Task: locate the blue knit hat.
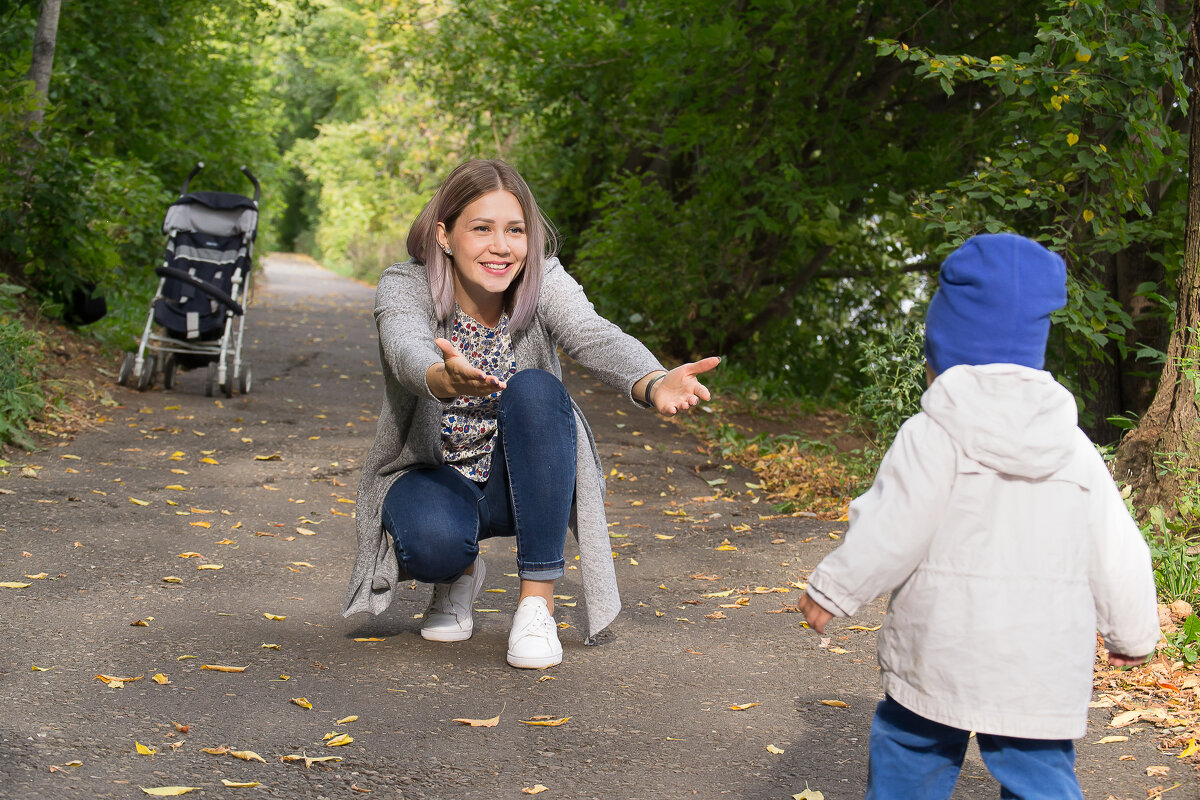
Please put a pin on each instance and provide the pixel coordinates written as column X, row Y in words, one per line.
column 993, row 303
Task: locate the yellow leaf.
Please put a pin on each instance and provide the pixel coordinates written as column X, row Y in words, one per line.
column 1189, row 750
column 306, row 532
column 190, row 554
column 547, row 723
column 1083, row 56
column 663, row 536
column 308, row 762
column 176, row 487
column 1112, row 739
column 247, row 755
column 302, row 702
column 834, row 703
column 306, row 564
column 169, row 791
column 210, row 566
column 237, row 785
column 38, row 577
column 739, row 528
column 1072, row 138
column 1088, row 215
column 272, row 457
column 135, row 501
column 266, row 646
column 537, row 788
column 216, row 751
column 633, row 562
column 838, row 650
column 36, row 668
column 341, row 739
column 809, row 794
column 725, row 593
column 863, row 628
column 207, row 460
column 172, row 579
column 111, row 679
column 744, row 706
column 370, row 639
column 202, row 523
column 773, row 749
column 184, row 658
column 142, row 750
column 344, row 720
column 219, row 668
column 14, row 584
column 160, row 679
column 481, row 723
column 275, row 616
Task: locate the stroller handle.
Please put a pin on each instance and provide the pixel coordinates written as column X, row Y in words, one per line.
column 254, row 180
column 245, row 171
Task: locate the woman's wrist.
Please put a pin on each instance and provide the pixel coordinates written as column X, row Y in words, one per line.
column 650, row 384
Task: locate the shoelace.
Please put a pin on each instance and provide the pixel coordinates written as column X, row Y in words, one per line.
column 439, row 601
column 541, row 625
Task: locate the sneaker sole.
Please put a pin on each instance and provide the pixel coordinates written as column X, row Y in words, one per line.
column 527, row 662
column 446, row 636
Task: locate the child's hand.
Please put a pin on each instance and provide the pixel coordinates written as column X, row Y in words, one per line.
column 815, row 615
column 1118, row 660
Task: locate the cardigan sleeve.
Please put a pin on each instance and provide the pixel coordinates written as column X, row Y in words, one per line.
column 613, row 356
column 892, row 525
column 404, row 316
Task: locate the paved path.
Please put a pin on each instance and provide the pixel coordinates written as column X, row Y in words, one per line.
column 109, row 515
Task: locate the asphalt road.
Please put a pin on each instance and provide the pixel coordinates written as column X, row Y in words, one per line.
column 174, row 484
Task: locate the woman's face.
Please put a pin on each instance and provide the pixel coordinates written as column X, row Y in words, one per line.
column 489, row 244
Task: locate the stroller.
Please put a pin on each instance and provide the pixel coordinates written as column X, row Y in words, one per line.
column 202, row 291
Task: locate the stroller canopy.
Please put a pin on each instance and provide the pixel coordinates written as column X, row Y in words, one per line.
column 217, row 213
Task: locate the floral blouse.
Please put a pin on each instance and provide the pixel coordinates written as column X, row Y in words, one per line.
column 469, row 423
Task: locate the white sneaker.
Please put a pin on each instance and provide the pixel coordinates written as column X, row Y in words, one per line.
column 533, row 641
column 448, row 617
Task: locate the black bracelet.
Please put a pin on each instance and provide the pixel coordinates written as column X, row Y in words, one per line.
column 650, row 386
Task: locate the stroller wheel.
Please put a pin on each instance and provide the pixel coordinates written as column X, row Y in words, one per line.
column 227, row 386
column 210, row 382
column 245, row 380
column 170, row 364
column 126, row 371
column 146, row 379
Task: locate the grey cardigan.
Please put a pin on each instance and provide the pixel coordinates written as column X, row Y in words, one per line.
column 409, row 428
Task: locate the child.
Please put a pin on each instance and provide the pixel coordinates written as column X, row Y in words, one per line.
column 998, row 529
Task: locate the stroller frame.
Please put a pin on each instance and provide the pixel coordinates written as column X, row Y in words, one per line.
column 223, row 354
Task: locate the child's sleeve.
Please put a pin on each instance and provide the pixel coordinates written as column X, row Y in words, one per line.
column 891, row 525
column 1122, row 578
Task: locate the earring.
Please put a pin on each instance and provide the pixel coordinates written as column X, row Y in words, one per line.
column 446, row 250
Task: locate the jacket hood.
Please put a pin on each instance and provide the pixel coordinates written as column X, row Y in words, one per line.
column 1011, row 419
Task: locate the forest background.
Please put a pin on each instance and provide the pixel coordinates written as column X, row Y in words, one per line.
column 775, row 181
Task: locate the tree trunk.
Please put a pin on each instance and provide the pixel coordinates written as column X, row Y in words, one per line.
column 1169, row 433
column 44, row 39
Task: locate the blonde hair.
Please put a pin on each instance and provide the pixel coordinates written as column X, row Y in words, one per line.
column 467, row 183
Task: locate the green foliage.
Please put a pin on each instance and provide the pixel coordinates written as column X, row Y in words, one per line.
column 1186, row 639
column 1089, row 163
column 21, row 395
column 894, row 380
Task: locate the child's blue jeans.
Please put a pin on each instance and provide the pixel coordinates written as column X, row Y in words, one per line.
column 913, row 757
column 436, row 516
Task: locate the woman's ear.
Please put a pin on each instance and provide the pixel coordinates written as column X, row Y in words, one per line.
column 443, row 236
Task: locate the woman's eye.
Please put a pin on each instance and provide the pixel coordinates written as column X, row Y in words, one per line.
column 481, row 228
column 517, row 230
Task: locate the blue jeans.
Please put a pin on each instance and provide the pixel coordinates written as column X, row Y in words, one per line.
column 913, row 757
column 437, row 517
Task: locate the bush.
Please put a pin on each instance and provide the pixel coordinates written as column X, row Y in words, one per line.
column 21, row 396
column 893, row 370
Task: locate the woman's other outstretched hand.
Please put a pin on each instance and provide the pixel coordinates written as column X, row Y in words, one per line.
column 679, row 389
column 814, row 614
column 456, row 377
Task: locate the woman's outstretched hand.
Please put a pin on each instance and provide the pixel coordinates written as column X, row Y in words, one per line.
column 455, row 376
column 679, row 389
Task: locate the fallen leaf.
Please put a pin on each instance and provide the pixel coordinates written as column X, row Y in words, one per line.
column 36, row 668
column 1112, row 740
column 548, row 723
column 744, row 706
column 302, row 702
column 838, row 650
column 773, row 749
column 160, row 679
column 40, row 576
column 219, row 668
column 306, row 564
column 142, row 750
column 135, row 501
column 202, row 523
column 1189, row 750
column 481, row 723
column 863, row 628
column 270, row 646
column 169, row 791
column 308, row 762
column 835, row 703
column 111, row 679
column 272, row 457
column 172, row 579
column 14, row 584
column 216, row 751
column 139, row 623
column 1157, row 772
column 237, row 785
column 275, row 616
column 340, row 740
column 306, row 532
column 370, row 639
column 725, row 593
column 210, row 566
column 809, row 794
column 356, row 788
column 664, row 536
column 344, row 720
column 247, row 755
column 535, row 789
column 180, row 728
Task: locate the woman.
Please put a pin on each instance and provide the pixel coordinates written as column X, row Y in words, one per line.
column 478, row 437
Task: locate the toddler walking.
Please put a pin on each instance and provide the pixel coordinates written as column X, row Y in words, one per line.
column 1005, row 543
